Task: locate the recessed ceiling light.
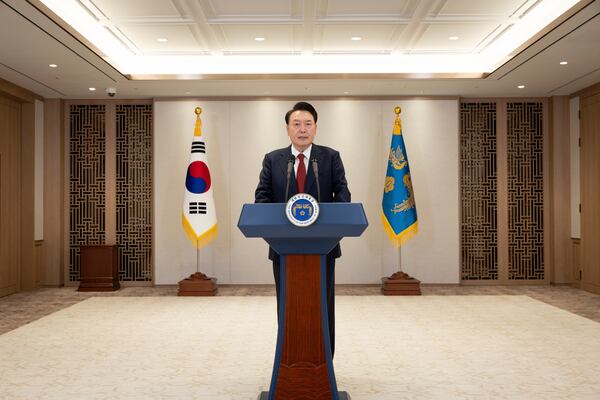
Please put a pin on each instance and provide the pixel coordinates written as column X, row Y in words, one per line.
column 527, row 26
column 453, row 38
column 92, row 89
column 259, row 39
column 563, row 62
column 188, row 92
column 52, row 65
column 346, row 92
column 162, row 39
column 356, row 38
column 521, row 86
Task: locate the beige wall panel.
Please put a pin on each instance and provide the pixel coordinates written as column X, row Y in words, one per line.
column 590, row 193
column 239, row 133
column 28, row 269
column 53, row 272
column 10, row 195
column 561, row 199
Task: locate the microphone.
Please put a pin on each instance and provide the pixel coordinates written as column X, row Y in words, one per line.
column 315, row 165
column 291, row 161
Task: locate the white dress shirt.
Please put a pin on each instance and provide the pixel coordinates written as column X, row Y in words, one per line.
column 306, row 158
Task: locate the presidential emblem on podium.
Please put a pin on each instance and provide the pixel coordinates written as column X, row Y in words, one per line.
column 302, row 210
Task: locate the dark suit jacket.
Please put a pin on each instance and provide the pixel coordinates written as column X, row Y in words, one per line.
column 332, row 180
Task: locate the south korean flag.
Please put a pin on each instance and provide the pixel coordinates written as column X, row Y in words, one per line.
column 199, row 215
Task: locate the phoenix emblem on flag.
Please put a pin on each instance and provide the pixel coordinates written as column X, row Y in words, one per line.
column 397, row 158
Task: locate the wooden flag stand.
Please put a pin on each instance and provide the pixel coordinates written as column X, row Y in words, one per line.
column 198, row 284
column 400, row 284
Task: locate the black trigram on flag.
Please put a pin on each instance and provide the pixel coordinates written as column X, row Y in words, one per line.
column 197, row 208
column 198, row 147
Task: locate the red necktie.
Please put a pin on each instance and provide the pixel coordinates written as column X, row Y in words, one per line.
column 301, row 174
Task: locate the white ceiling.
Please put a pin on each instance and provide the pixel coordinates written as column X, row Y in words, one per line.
column 296, row 27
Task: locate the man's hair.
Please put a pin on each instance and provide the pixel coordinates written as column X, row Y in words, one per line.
column 301, row 106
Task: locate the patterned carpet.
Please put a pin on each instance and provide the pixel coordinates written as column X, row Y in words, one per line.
column 21, row 308
column 420, row 347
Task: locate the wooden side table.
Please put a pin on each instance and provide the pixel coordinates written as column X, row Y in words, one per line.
column 99, row 268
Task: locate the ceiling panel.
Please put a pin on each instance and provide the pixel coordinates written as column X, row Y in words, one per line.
column 136, row 8
column 370, row 7
column 254, row 7
column 374, row 38
column 543, row 72
column 31, row 62
column 537, row 68
column 144, row 37
column 279, row 38
column 436, row 36
column 481, row 7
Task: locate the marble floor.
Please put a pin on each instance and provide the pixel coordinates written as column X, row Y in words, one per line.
column 22, row 308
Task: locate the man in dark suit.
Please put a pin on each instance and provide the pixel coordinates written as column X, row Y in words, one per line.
column 301, row 126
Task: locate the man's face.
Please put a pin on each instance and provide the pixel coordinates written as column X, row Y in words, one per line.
column 301, row 129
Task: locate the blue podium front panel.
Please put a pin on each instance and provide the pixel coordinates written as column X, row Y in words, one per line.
column 336, row 221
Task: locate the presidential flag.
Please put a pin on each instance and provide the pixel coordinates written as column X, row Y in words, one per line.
column 199, row 215
column 399, row 210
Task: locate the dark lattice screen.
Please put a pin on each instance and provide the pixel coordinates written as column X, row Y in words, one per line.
column 525, row 191
column 134, row 191
column 87, row 152
column 478, row 187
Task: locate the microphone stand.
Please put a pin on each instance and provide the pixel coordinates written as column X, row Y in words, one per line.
column 289, row 173
column 315, row 165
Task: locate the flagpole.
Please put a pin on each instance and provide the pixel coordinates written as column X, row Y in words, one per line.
column 197, row 257
column 399, row 258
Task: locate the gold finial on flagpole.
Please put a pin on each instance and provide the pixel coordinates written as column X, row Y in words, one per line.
column 198, row 128
column 397, row 122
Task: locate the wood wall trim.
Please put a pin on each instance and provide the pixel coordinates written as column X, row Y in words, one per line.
column 54, row 210
column 590, row 287
column 502, row 190
column 10, row 195
column 110, row 184
column 548, row 182
column 587, row 92
column 18, row 93
column 590, row 192
column 28, row 265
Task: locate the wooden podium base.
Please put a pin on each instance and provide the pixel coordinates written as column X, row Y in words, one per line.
column 400, row 284
column 198, row 284
column 341, row 396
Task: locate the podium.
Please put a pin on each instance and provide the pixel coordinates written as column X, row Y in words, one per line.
column 303, row 367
